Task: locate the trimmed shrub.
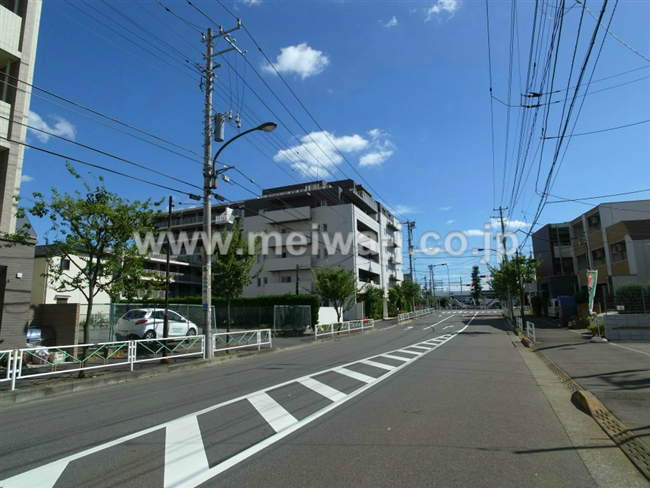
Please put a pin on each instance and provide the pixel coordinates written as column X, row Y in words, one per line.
column 634, row 296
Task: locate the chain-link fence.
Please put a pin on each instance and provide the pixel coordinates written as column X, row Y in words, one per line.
column 287, row 317
column 244, row 318
column 632, row 297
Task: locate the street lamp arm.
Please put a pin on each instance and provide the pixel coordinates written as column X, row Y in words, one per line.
column 266, row 127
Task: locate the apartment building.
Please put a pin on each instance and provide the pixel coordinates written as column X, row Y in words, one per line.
column 612, row 238
column 306, row 226
column 19, row 23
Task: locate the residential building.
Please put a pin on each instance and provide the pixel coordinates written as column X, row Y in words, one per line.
column 19, row 23
column 307, row 226
column 612, row 238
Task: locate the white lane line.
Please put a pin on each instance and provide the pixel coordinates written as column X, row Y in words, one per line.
column 43, row 477
column 447, row 327
column 375, row 364
column 420, row 347
column 629, row 348
column 399, row 358
column 409, row 352
column 322, row 389
column 438, row 323
column 272, row 411
column 184, row 452
column 357, row 376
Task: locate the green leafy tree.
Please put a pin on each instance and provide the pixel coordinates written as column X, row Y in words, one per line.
column 477, row 287
column 232, row 270
column 95, row 233
column 512, row 277
column 411, row 294
column 336, row 285
column 373, row 300
column 395, row 299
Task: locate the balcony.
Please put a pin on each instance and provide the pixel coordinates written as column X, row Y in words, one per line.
column 361, row 199
column 10, row 26
column 565, row 251
column 364, row 241
column 289, row 214
column 397, row 259
column 368, row 265
column 5, row 114
column 288, row 264
column 283, row 288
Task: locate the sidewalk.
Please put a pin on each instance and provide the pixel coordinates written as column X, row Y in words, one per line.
column 618, row 374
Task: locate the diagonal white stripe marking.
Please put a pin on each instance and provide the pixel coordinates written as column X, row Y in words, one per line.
column 420, row 347
column 43, row 477
column 184, row 452
column 272, row 411
column 399, row 358
column 375, row 364
column 409, row 352
column 322, row 389
column 357, row 376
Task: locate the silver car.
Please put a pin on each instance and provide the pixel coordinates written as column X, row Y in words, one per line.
column 147, row 323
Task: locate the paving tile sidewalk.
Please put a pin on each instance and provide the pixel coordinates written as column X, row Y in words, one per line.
column 617, row 373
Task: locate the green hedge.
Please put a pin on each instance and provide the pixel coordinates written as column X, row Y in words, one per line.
column 634, row 296
column 259, row 301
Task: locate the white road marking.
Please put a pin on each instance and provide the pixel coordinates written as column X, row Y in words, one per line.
column 629, row 348
column 184, row 451
column 375, row 364
column 420, row 347
column 447, row 327
column 46, row 476
column 437, row 323
column 389, row 356
column 322, row 389
column 272, row 411
column 357, row 376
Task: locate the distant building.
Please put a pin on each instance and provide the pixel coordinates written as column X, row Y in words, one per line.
column 612, row 238
column 317, row 214
column 19, row 23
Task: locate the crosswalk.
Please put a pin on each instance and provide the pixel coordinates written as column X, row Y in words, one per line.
column 196, row 450
column 479, row 312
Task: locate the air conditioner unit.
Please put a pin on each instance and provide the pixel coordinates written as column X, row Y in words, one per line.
column 619, row 248
column 599, row 254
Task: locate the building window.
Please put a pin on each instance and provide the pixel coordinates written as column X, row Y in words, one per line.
column 283, row 230
column 598, row 256
column 284, row 254
column 593, row 222
column 321, row 203
column 259, row 281
column 266, row 280
column 286, row 279
column 324, row 227
column 65, row 264
column 619, row 251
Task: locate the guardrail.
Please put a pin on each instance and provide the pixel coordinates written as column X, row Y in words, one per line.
column 519, row 324
column 242, row 339
column 338, row 327
column 530, row 331
column 69, row 359
column 410, row 315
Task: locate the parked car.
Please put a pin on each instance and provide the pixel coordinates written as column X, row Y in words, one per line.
column 147, row 323
column 40, row 336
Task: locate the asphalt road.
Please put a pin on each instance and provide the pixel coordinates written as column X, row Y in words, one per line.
column 449, row 405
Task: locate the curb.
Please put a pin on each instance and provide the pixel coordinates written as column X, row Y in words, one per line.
column 634, row 448
column 73, row 385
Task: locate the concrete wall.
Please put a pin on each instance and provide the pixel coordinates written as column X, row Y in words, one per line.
column 627, row 327
column 63, row 318
column 326, row 315
column 15, row 292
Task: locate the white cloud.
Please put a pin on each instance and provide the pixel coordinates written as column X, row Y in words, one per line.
column 391, row 23
column 511, row 225
column 26, row 179
column 61, row 127
column 381, row 148
column 404, row 209
column 444, row 209
column 300, row 60
column 449, row 222
column 374, row 158
column 473, row 232
column 250, row 2
column 448, row 6
column 317, row 154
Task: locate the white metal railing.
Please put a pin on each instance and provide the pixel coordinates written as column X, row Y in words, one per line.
column 530, row 331
column 68, row 359
column 519, row 324
column 339, row 327
column 410, row 315
column 241, row 339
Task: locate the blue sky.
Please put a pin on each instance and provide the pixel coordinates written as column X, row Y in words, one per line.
column 402, row 89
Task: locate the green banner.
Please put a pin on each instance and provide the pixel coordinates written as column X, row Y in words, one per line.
column 592, row 280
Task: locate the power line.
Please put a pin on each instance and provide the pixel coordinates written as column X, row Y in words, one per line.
column 602, row 130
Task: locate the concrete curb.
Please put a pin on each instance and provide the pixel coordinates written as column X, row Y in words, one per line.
column 71, row 385
column 587, row 402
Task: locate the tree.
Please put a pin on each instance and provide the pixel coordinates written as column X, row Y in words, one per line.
column 373, row 300
column 411, row 293
column 232, row 270
column 513, row 276
column 95, row 233
column 336, row 285
column 395, row 299
column 477, row 288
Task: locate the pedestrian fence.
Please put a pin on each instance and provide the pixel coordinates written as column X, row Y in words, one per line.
column 410, row 315
column 341, row 327
column 242, row 339
column 37, row 362
column 519, row 324
column 530, row 331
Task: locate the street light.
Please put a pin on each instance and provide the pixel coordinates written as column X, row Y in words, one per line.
column 433, row 281
column 510, row 306
column 210, row 182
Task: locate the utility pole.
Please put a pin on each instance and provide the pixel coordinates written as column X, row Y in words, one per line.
column 521, row 292
column 410, row 226
column 297, row 279
column 168, row 247
column 505, row 256
column 210, row 180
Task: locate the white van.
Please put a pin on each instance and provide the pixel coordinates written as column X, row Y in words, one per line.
column 554, row 308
